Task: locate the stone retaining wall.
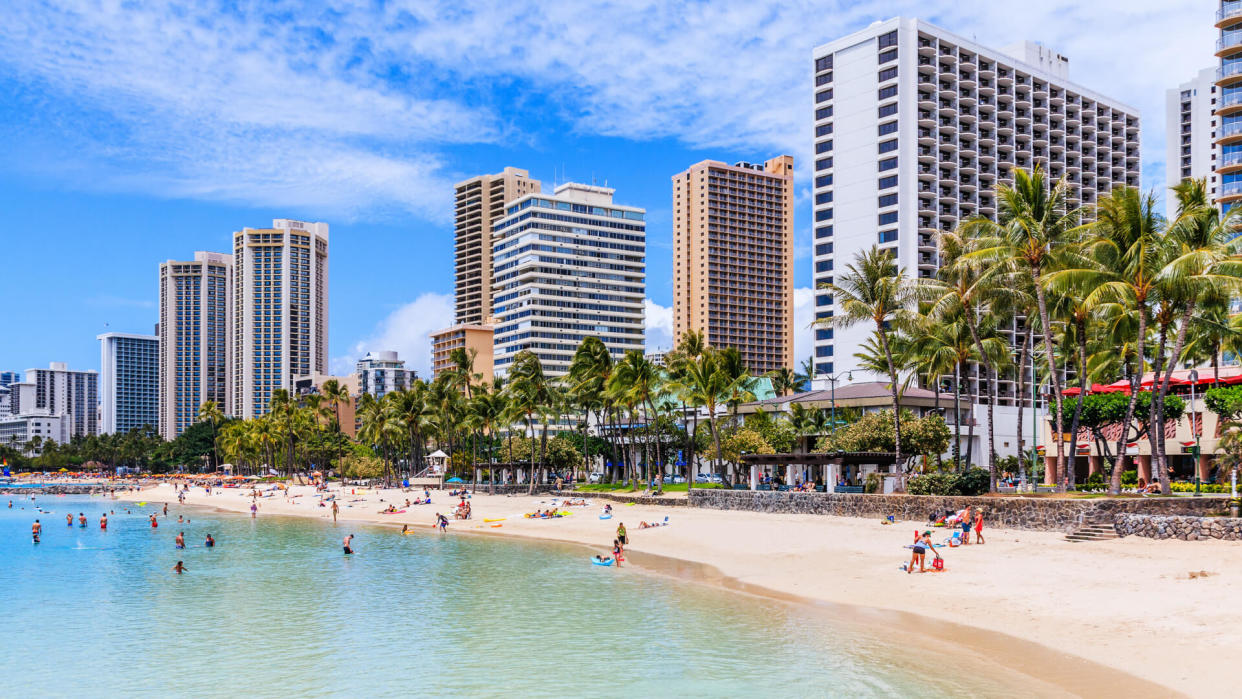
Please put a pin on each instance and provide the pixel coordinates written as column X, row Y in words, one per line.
column 1178, row 527
column 1040, row 513
column 665, row 500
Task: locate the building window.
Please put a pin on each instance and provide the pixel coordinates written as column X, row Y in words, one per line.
column 823, row 181
column 888, row 218
column 823, row 215
column 886, row 182
column 888, row 146
column 823, row 266
column 823, row 198
column 823, row 129
column 823, row 146
column 889, row 91
column 888, row 74
column 889, row 236
column 823, row 249
column 823, row 96
column 888, row 110
column 887, row 56
column 823, row 232
column 888, row 40
column 822, row 64
column 824, row 79
column 888, row 127
column 823, row 164
column 823, row 351
column 823, row 334
column 888, row 200
column 889, row 164
column 823, row 112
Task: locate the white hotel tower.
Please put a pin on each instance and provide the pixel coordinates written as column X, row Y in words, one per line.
column 280, row 316
column 915, row 126
column 567, row 266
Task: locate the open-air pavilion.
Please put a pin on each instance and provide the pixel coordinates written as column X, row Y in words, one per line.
column 829, row 469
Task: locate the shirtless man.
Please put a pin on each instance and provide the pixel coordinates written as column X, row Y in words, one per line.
column 348, row 541
column 335, row 508
column 181, row 540
column 69, row 520
column 35, row 530
column 82, row 519
column 103, row 521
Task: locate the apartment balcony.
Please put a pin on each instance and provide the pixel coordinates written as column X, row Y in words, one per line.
column 1229, row 192
column 1229, row 133
column 1230, row 104
column 1229, row 42
column 1231, row 162
column 1226, row 15
column 927, row 47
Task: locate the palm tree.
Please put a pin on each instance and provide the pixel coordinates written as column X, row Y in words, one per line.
column 590, row 370
column 210, row 411
column 337, row 394
column 784, row 381
column 874, row 289
column 1034, row 226
column 635, row 382
column 703, row 383
column 529, row 396
column 488, row 409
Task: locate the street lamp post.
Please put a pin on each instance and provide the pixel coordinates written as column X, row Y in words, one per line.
column 1193, row 377
column 832, row 383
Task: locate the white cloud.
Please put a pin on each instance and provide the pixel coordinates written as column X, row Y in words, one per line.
column 659, row 326
column 804, row 316
column 405, row 330
column 348, row 107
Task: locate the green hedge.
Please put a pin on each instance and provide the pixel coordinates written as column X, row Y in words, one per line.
column 974, row 481
column 1203, row 488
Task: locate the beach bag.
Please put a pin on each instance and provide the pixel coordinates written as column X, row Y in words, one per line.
column 938, row 564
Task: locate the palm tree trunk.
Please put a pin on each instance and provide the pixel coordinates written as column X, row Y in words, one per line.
column 1053, row 377
column 1155, row 430
column 892, row 375
column 970, row 428
column 1082, row 396
column 1187, row 311
column 957, row 416
column 1026, row 341
column 992, row 380
column 1135, row 380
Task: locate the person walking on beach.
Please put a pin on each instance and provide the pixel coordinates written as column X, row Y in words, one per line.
column 35, row 530
column 621, row 534
column 181, row 540
column 442, row 522
column 335, row 508
column 179, row 568
column 979, row 526
column 348, row 542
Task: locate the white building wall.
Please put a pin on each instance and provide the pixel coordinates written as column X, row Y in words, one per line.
column 1188, row 149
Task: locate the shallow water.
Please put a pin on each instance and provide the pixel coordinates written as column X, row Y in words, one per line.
column 275, row 609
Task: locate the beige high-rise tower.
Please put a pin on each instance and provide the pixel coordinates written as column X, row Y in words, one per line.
column 733, row 258
column 480, row 204
column 280, row 316
column 195, row 339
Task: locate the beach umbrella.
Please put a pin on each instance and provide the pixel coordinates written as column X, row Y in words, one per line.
column 454, row 479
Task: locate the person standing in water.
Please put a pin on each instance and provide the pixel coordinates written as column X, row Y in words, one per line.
column 165, row 509
column 254, row 510
column 335, row 508
column 210, row 542
column 35, row 530
column 103, row 521
column 349, row 540
column 181, row 540
column 82, row 520
column 69, row 520
column 154, row 524
column 179, row 568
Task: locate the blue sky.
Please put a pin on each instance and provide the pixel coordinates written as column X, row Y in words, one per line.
column 135, row 132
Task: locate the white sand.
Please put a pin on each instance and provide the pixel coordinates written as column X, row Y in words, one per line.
column 1129, row 604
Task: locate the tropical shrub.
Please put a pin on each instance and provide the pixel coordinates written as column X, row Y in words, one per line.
column 974, row 481
column 1129, row 477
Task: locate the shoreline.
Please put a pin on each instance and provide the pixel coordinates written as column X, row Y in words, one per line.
column 780, row 572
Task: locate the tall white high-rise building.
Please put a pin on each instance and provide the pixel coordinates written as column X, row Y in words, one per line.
column 567, row 266
column 72, row 396
column 1189, row 120
column 915, row 126
column 280, row 310
column 129, row 373
column 195, row 339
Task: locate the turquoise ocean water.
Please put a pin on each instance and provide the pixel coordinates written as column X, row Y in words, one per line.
column 276, row 610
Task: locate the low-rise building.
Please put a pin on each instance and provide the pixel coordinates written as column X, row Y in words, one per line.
column 381, row 372
column 465, row 336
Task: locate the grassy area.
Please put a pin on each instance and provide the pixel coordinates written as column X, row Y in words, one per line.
column 621, row 487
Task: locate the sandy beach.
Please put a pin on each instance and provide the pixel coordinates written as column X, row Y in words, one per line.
column 1077, row 615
